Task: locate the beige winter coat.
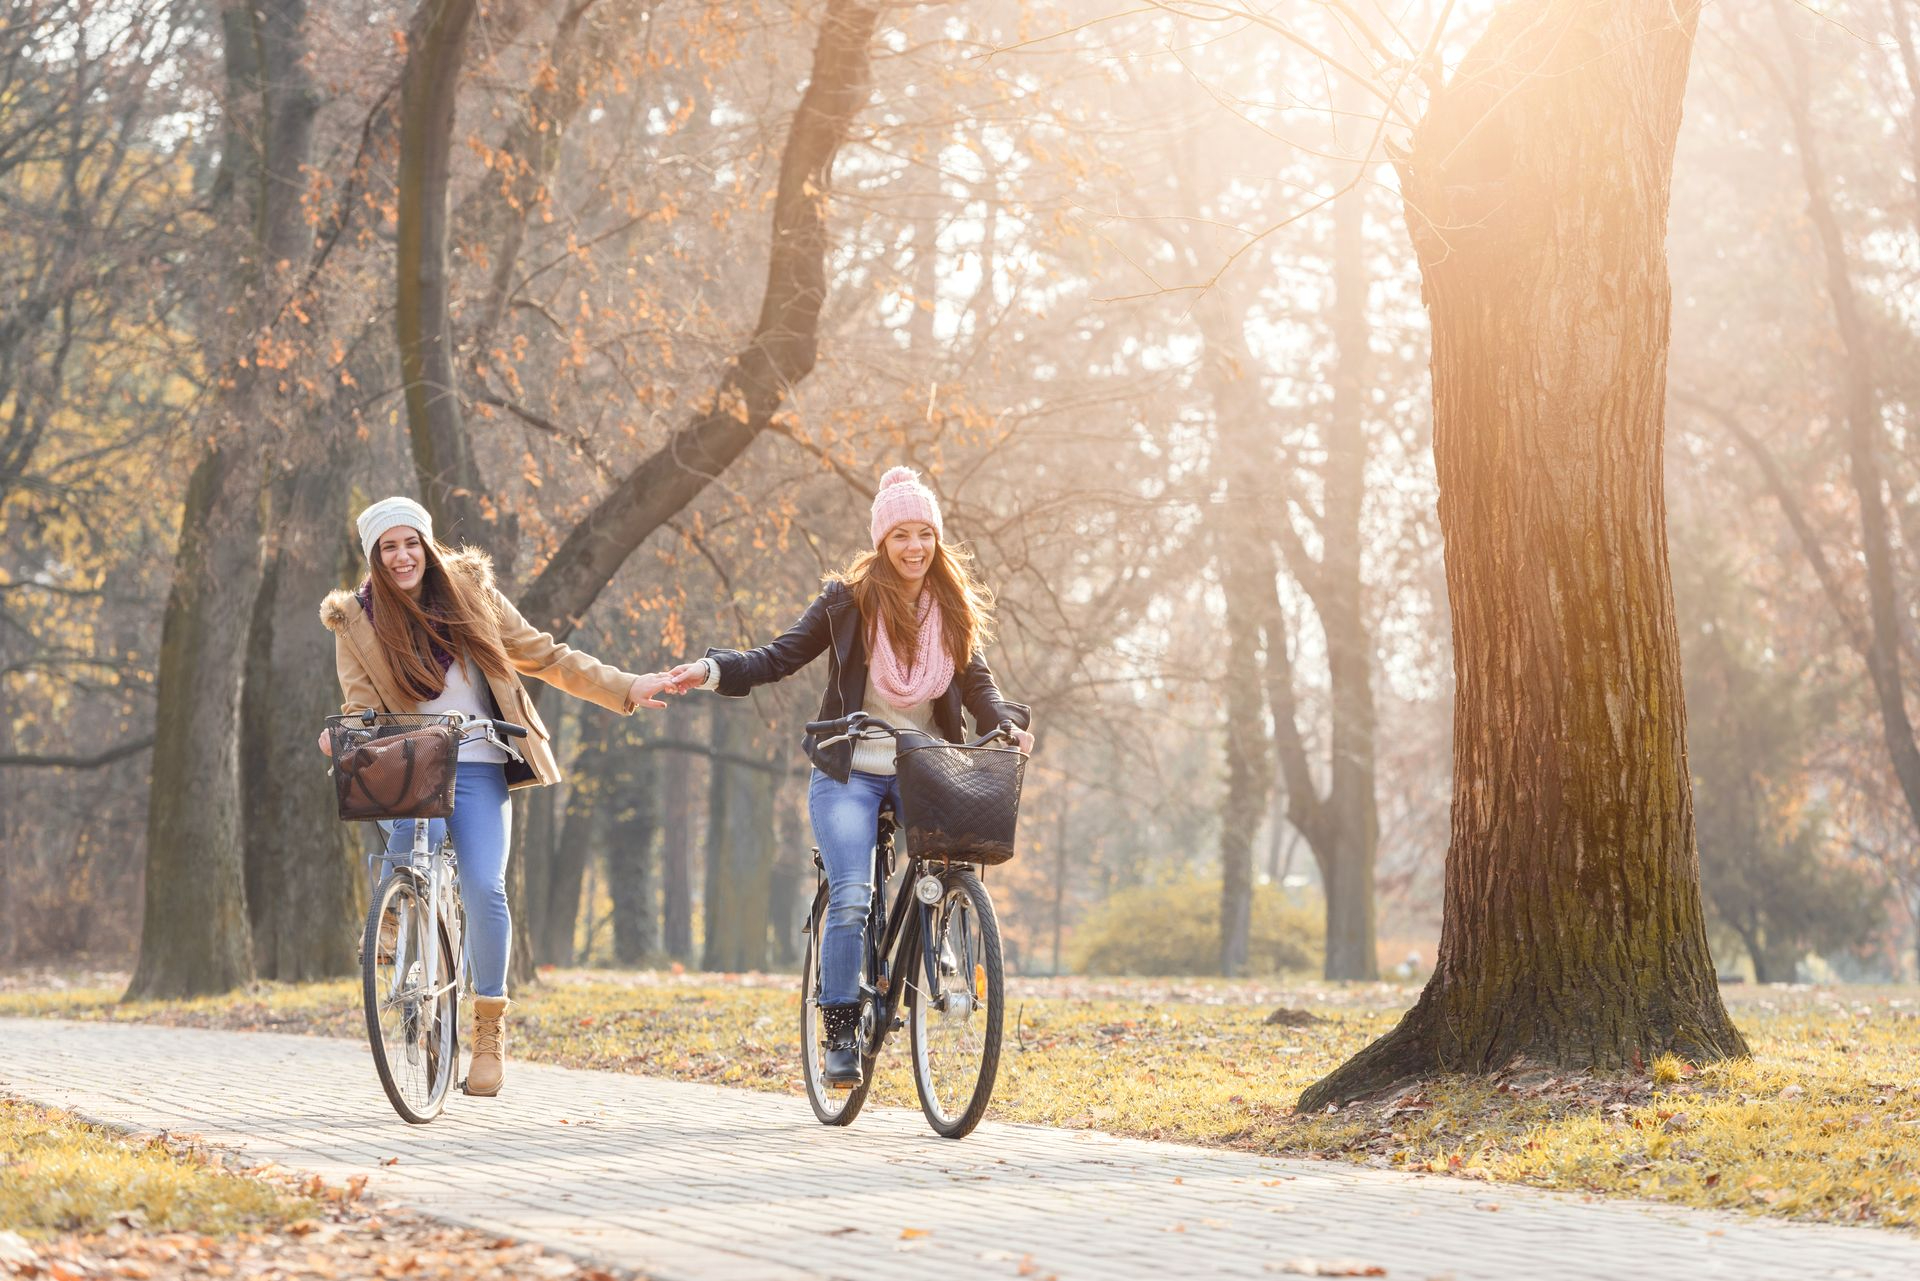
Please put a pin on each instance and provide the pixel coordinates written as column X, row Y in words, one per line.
column 367, row 681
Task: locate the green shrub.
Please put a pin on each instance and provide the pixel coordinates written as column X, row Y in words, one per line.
column 1174, row 929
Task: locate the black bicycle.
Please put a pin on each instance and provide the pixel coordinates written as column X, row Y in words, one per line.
column 937, row 947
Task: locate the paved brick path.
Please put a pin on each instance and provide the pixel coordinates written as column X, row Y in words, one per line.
column 693, row 1181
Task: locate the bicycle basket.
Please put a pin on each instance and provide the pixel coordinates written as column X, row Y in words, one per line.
column 960, row 803
column 393, row 765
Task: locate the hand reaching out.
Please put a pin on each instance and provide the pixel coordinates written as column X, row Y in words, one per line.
column 688, row 676
column 644, row 691
column 1023, row 740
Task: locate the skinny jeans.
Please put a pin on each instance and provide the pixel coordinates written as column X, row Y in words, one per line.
column 481, row 822
column 845, row 818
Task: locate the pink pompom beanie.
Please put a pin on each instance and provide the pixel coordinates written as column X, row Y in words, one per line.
column 903, row 498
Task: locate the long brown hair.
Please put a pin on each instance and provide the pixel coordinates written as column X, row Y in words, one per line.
column 966, row 606
column 452, row 613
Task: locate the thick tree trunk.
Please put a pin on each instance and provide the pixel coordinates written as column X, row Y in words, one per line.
column 779, row 355
column 305, row 883
column 1537, row 192
column 630, row 860
column 1349, row 826
column 450, row 482
column 554, row 931
column 1249, row 767
column 739, row 848
column 676, row 855
column 195, row 935
column 1240, row 414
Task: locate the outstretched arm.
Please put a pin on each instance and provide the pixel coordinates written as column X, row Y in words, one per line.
column 536, row 653
column 733, row 672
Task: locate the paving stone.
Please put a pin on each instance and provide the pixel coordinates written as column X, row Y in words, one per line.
column 689, row 1182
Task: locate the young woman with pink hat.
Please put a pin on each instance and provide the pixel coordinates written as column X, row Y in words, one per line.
column 902, row 627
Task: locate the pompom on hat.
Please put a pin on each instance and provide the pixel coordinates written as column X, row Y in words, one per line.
column 387, row 514
column 903, row 498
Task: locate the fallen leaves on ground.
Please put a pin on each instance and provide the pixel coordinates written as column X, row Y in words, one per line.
column 164, row 1224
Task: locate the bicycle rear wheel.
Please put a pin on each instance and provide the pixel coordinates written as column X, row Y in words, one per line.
column 956, row 1031
column 832, row 1107
column 414, row 1032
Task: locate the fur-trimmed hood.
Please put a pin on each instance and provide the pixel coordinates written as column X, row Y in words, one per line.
column 342, row 606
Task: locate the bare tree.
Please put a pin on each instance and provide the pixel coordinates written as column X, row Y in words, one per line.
column 1542, row 169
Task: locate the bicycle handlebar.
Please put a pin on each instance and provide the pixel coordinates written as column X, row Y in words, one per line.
column 856, row 724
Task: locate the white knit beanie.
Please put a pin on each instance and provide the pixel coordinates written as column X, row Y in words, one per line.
column 386, row 514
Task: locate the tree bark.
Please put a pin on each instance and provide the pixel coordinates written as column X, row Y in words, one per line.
column 304, row 879
column 554, row 931
column 450, row 482
column 1349, row 826
column 631, row 880
column 1536, row 193
column 195, row 936
column 676, row 856
column 780, row 353
column 739, row 866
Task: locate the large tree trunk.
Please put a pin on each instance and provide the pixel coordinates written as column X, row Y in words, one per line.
column 1537, row 192
column 630, row 862
column 1347, row 835
column 554, row 930
column 450, row 482
column 195, row 936
column 1249, row 767
column 739, row 846
column 676, row 855
column 305, row 884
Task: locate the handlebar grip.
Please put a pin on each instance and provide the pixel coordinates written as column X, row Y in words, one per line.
column 817, row 728
column 511, row 730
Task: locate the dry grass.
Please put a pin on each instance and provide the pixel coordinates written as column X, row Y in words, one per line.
column 60, row 1174
column 1823, row 1122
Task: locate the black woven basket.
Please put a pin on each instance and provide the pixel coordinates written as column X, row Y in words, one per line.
column 960, row 803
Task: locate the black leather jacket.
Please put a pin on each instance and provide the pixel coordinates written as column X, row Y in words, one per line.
column 832, row 623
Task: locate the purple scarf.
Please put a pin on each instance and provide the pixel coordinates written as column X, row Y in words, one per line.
column 435, row 641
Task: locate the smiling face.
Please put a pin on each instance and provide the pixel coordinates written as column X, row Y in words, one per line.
column 910, row 549
column 403, row 557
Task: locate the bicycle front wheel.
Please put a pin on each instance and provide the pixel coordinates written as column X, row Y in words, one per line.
column 412, row 1027
column 956, row 1021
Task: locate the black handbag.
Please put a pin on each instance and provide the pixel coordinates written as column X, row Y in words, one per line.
column 960, row 803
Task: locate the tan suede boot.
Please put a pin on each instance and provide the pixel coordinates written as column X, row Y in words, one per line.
column 488, row 1067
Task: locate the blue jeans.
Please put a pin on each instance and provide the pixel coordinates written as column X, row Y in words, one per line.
column 845, row 816
column 482, row 821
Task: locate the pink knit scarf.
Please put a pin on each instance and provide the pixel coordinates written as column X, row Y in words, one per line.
column 932, row 669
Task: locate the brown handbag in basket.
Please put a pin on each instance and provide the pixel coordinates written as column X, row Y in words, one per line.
column 398, row 775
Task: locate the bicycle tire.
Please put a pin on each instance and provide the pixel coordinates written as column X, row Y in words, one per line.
column 831, row 1107
column 978, row 1030
column 437, row 1051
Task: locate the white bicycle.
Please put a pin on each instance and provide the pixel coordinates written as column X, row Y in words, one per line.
column 413, row 961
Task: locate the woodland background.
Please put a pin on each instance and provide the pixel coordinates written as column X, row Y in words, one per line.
column 643, row 295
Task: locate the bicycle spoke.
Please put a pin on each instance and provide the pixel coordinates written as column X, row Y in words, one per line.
column 957, row 1020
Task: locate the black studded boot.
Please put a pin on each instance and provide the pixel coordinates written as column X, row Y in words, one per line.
column 841, row 1071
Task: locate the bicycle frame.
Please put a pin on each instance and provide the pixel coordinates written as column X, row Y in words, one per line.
column 436, row 870
column 893, row 936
